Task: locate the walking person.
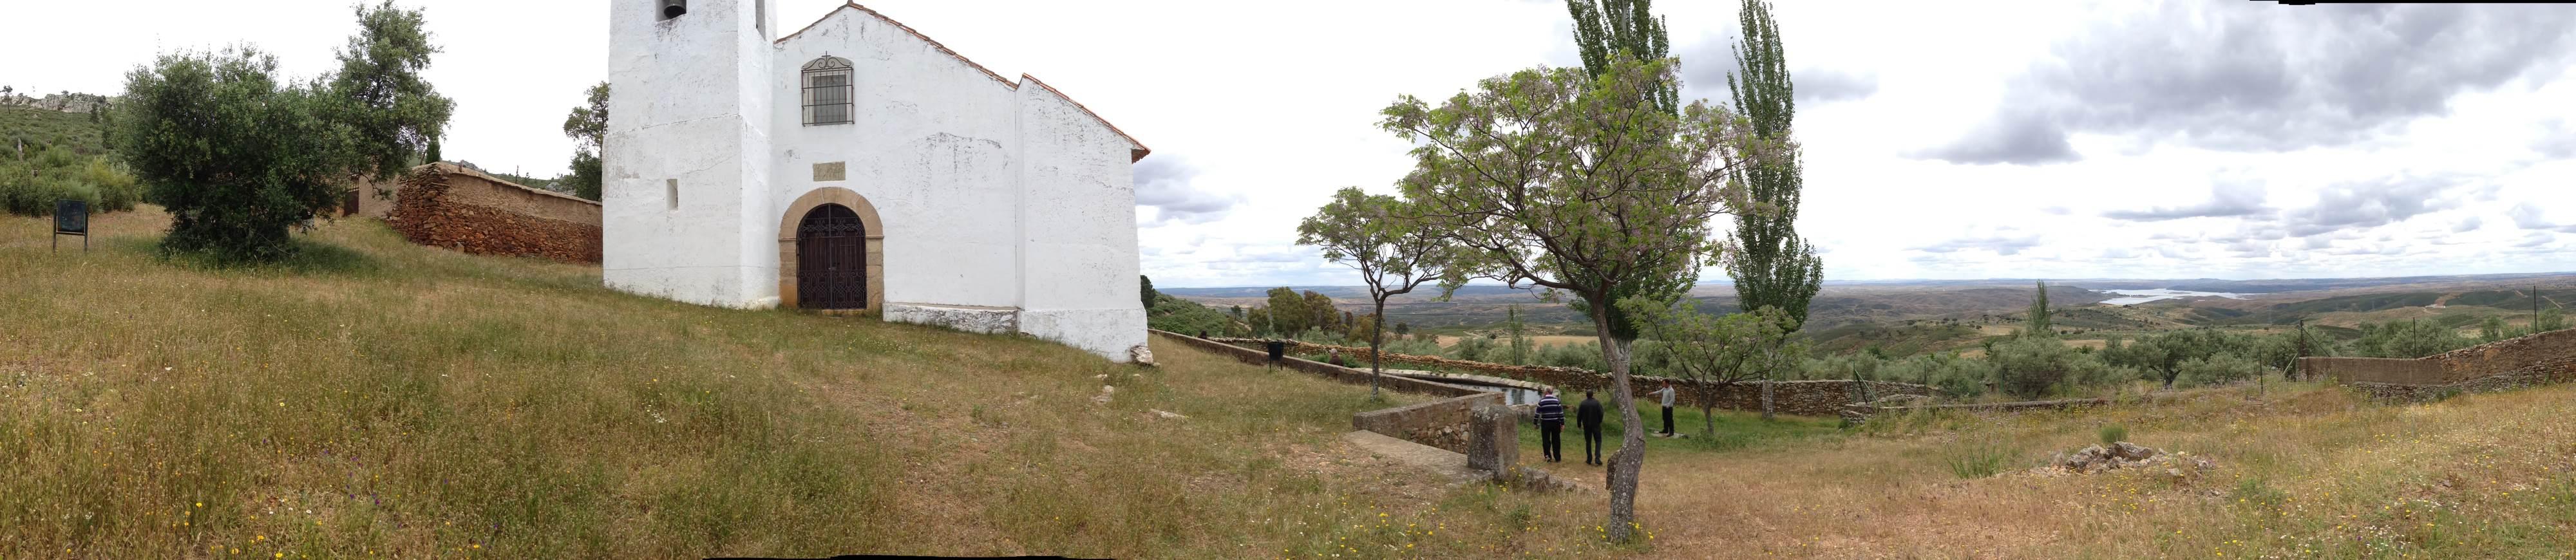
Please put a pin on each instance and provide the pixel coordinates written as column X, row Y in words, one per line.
column 1667, row 395
column 1588, row 415
column 1551, row 421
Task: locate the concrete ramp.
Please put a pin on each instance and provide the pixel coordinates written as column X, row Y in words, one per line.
column 1448, row 464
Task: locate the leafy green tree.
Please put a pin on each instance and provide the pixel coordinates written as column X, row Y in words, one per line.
column 1287, row 313
column 2493, row 329
column 1715, row 351
column 1321, row 314
column 1607, row 30
column 393, row 111
column 1147, row 291
column 1548, row 177
column 236, row 156
column 1385, row 241
column 588, row 124
column 1770, row 263
column 2032, row 367
column 2038, row 320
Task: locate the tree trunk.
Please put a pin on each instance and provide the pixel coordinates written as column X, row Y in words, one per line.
column 1377, row 338
column 1630, row 460
column 1766, row 398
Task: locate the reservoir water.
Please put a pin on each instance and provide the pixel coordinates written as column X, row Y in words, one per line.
column 2143, row 296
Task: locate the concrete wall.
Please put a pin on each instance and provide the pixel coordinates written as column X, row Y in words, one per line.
column 444, row 205
column 1440, row 423
column 1804, row 398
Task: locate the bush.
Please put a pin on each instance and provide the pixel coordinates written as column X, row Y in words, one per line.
column 2114, row 434
column 2032, row 367
column 1576, row 355
column 2411, row 339
column 1473, row 348
column 279, row 161
column 2220, row 369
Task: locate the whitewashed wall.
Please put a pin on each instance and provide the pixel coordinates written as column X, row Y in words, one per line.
column 1006, row 208
column 681, row 106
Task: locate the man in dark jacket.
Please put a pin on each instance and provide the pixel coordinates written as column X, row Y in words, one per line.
column 1551, row 421
column 1588, row 415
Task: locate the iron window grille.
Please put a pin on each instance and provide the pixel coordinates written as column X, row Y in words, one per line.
column 827, row 91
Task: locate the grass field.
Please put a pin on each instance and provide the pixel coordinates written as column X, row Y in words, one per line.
column 374, row 397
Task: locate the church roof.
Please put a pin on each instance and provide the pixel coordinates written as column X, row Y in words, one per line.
column 1136, row 150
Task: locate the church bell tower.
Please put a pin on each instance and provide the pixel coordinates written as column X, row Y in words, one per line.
column 684, row 190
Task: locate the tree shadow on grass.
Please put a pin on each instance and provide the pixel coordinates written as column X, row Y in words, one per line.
column 309, row 258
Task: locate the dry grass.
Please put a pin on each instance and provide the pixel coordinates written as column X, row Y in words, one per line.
column 2308, row 471
column 375, row 397
column 380, row 398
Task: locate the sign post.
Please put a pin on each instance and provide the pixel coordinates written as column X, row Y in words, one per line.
column 71, row 217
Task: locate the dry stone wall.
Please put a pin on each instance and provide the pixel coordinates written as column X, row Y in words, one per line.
column 444, row 205
column 2537, row 359
column 1441, row 423
column 1803, row 398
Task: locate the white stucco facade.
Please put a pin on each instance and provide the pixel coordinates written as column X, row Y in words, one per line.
column 1001, row 206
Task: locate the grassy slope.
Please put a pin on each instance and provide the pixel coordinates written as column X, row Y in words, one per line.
column 385, row 398
column 380, row 397
column 72, row 131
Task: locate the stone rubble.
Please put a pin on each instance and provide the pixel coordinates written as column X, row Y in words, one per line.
column 2124, row 455
column 1103, row 398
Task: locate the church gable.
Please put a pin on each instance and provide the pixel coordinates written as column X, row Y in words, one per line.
column 1136, row 150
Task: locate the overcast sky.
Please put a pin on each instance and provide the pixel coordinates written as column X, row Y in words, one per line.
column 1942, row 140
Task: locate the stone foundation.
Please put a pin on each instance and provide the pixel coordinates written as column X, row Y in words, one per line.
column 985, row 320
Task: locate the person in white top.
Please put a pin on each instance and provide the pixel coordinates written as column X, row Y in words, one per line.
column 1667, row 394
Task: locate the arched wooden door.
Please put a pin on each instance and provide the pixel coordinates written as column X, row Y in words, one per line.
column 831, row 259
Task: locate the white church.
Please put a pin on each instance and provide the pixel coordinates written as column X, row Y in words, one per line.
column 858, row 166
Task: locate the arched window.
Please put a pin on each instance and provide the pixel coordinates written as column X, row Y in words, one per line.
column 827, row 91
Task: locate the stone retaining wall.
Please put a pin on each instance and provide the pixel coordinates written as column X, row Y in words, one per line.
column 445, row 205
column 2537, row 359
column 1441, row 423
column 1328, row 371
column 1802, row 398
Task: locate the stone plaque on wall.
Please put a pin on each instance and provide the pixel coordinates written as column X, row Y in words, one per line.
column 831, row 171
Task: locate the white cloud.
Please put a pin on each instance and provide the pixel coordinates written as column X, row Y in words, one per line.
column 1257, row 114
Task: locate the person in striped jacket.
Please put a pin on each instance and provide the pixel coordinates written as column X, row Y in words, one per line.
column 1551, row 422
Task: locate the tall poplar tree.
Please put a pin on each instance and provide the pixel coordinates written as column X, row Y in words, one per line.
column 1606, row 31
column 1771, row 265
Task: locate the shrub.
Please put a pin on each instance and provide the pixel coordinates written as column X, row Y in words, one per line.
column 2031, row 367
column 2114, row 434
column 2220, row 369
column 278, row 164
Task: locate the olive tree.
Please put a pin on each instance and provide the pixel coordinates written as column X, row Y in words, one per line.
column 235, row 155
column 1385, row 241
column 1581, row 186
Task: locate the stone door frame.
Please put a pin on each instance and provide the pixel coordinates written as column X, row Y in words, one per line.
column 873, row 227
